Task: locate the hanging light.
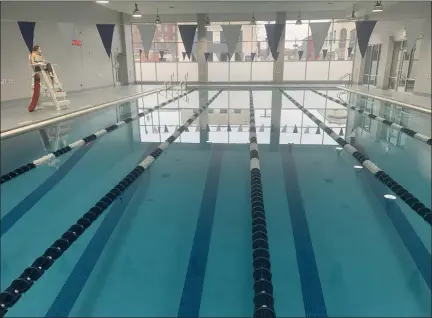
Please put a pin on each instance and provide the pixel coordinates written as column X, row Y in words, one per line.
column 158, row 19
column 136, row 13
column 102, row 2
column 253, row 20
column 378, row 7
column 299, row 21
column 353, row 14
column 207, row 20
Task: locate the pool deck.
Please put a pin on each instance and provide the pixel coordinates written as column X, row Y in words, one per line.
column 16, row 118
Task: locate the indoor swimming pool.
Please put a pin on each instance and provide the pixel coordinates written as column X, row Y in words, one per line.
column 178, row 242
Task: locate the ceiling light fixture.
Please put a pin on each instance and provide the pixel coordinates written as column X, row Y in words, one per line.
column 207, row 20
column 299, row 21
column 158, row 19
column 136, row 13
column 378, row 7
column 353, row 14
column 102, row 2
column 253, row 20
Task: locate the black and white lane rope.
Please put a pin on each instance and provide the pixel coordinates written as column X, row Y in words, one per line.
column 388, row 181
column 82, row 142
column 402, row 129
column 263, row 286
column 31, row 274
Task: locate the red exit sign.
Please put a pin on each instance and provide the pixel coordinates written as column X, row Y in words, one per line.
column 76, row 43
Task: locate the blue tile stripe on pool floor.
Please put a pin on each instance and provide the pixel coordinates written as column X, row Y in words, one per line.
column 72, row 288
column 405, row 230
column 313, row 298
column 193, row 286
column 10, row 219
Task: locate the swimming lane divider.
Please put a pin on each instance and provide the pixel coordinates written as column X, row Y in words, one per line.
column 402, row 129
column 82, row 142
column 388, row 181
column 31, row 274
column 263, row 286
column 72, row 288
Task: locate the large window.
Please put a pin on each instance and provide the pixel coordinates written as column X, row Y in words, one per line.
column 252, row 59
column 371, row 64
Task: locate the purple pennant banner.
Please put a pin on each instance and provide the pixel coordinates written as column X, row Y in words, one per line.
column 27, row 32
column 364, row 32
column 106, row 32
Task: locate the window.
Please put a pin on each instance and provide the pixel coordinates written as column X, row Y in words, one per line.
column 342, row 38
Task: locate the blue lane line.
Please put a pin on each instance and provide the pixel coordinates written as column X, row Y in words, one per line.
column 411, row 240
column 10, row 219
column 313, row 298
column 192, row 289
column 72, row 288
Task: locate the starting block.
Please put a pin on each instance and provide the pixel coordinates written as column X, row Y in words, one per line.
column 46, row 91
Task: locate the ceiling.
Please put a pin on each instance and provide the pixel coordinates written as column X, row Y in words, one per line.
column 224, row 10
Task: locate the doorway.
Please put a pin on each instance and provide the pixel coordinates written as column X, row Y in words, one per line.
column 404, row 67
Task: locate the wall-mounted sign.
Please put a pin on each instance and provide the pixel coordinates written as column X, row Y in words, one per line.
column 6, row 81
column 76, row 42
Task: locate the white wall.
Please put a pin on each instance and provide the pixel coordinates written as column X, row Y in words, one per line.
column 57, row 24
column 391, row 29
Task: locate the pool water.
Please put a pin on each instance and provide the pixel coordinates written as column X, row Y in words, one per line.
column 178, row 242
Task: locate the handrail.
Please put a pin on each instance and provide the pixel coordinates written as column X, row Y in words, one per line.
column 388, row 100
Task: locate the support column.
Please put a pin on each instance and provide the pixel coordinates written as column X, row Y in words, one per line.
column 202, row 74
column 278, row 71
column 127, row 67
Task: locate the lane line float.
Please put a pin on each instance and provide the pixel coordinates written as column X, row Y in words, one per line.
column 31, row 274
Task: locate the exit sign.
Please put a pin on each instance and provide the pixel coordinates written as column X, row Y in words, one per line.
column 76, row 43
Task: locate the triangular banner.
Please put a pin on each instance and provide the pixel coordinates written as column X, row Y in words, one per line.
column 186, row 129
column 413, row 30
column 272, row 128
column 253, row 56
column 341, row 132
column 324, row 53
column 306, row 130
column 207, row 128
column 229, row 127
column 274, row 32
column 364, row 32
column 166, row 129
column 275, row 56
column 284, row 129
column 147, row 32
column 295, row 131
column 187, row 33
column 218, row 128
column 318, row 131
column 231, row 34
column 350, row 51
column 27, row 32
column 184, row 55
column 261, row 128
column 319, row 31
column 106, row 32
column 206, row 55
column 161, row 53
column 300, row 53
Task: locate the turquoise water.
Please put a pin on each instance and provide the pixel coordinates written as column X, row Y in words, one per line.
column 178, row 242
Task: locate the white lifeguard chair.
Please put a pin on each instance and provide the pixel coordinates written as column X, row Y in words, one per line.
column 48, row 93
